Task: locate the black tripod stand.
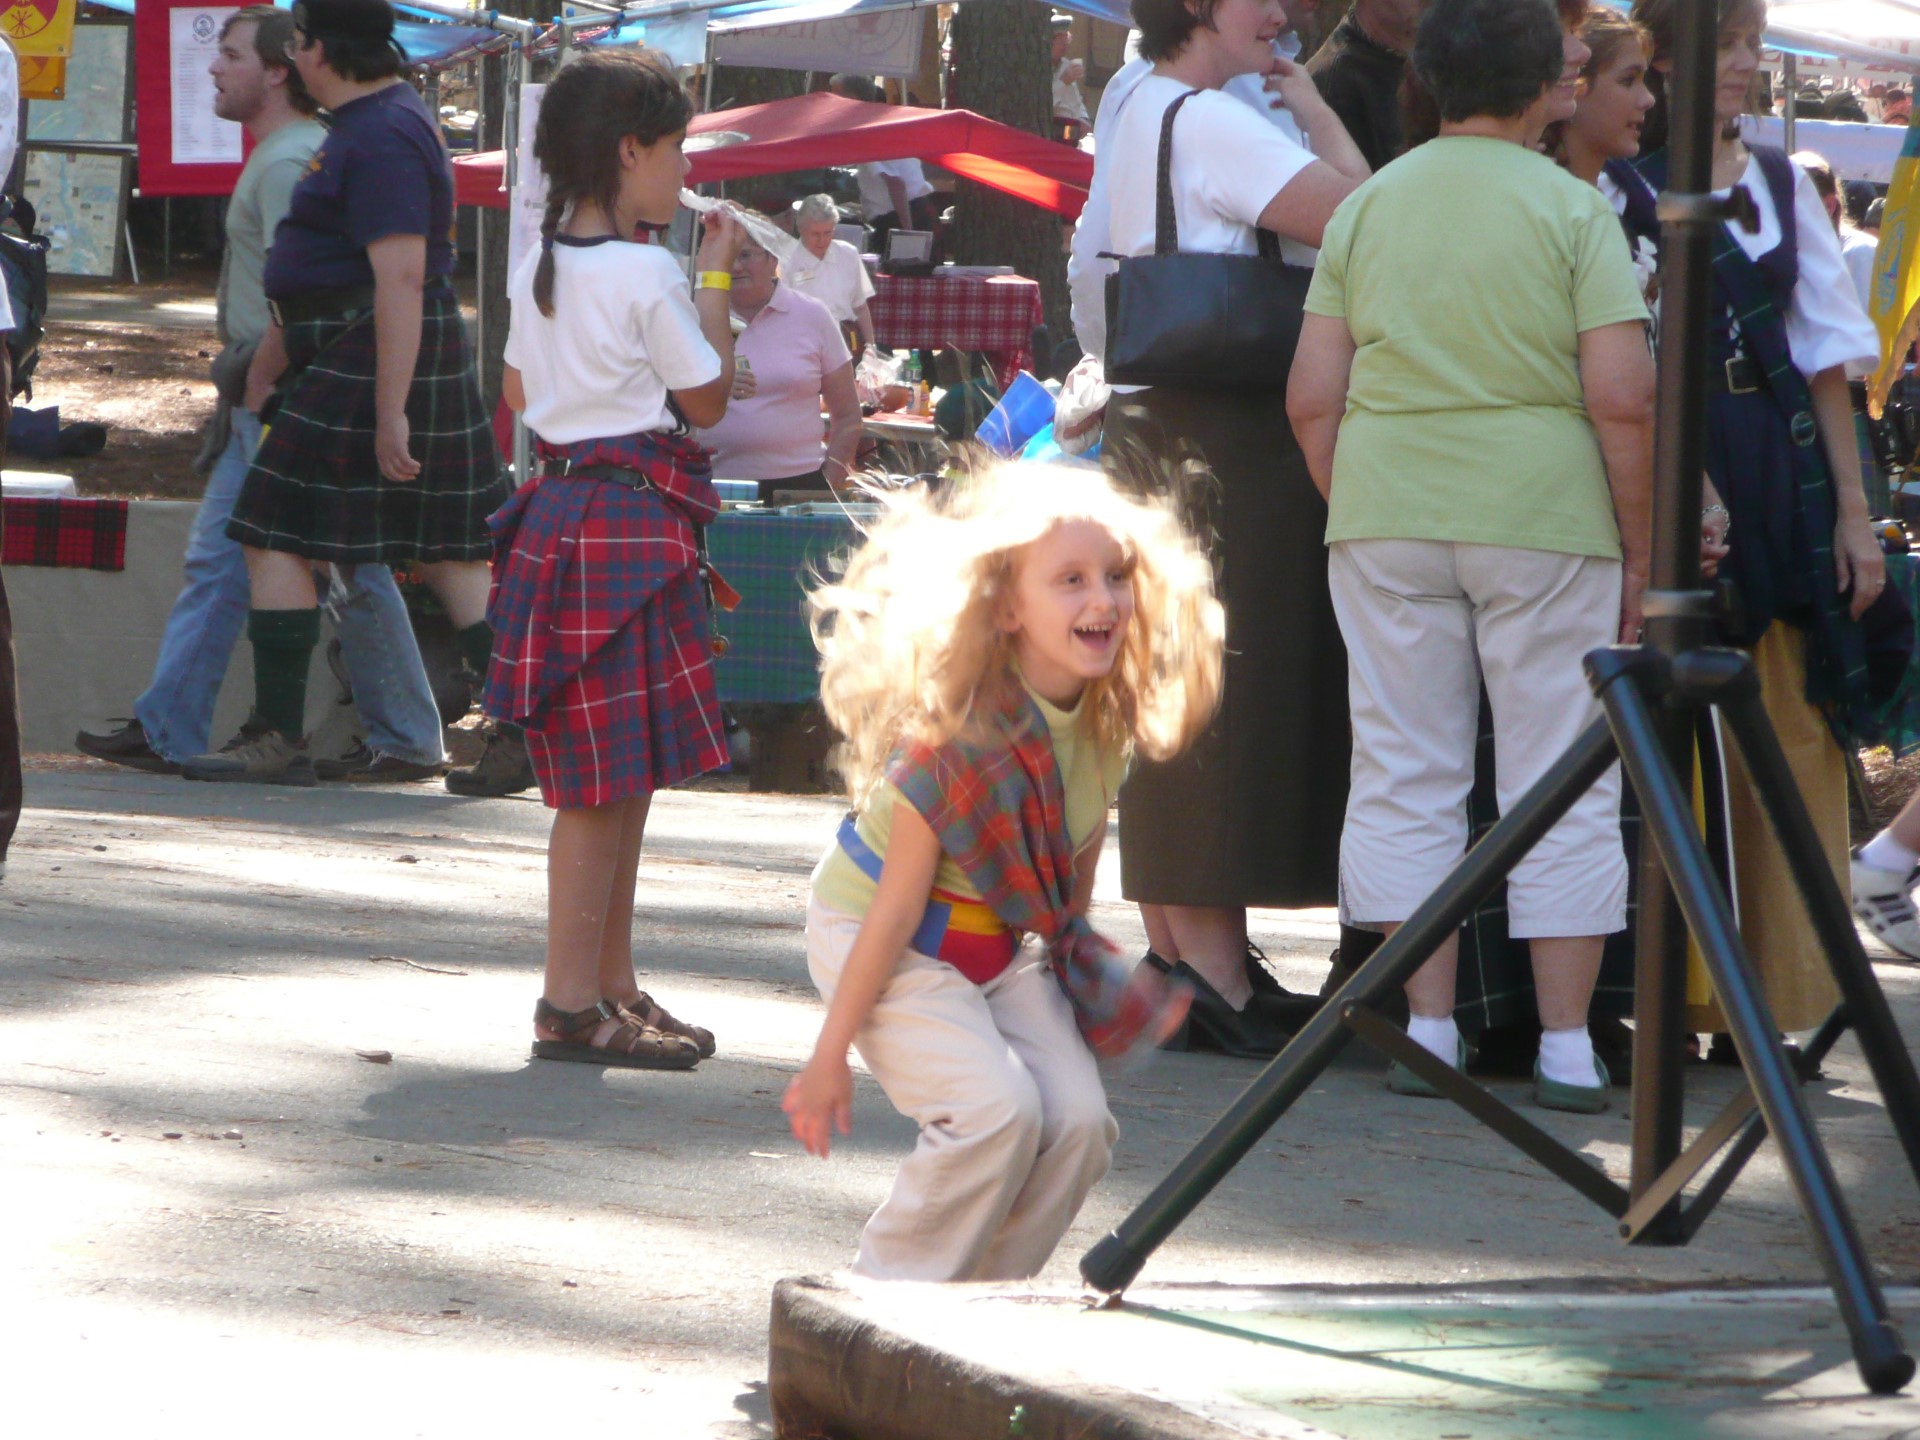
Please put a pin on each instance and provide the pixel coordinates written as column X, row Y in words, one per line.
column 1650, row 695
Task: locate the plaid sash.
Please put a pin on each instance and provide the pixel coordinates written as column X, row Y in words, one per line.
column 574, row 560
column 1836, row 649
column 999, row 809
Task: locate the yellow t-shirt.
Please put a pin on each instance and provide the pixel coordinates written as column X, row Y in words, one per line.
column 1089, row 780
column 1466, row 271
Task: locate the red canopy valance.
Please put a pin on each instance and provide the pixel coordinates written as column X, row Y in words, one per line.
column 811, row 131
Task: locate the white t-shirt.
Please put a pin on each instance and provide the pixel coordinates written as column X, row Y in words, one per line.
column 622, row 334
column 875, row 199
column 1068, row 103
column 1094, row 233
column 838, row 279
column 1857, row 249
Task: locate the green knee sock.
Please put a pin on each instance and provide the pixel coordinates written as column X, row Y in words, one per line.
column 283, row 642
column 475, row 644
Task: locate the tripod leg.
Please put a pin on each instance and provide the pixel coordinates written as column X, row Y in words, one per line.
column 1865, row 1002
column 1112, row 1263
column 1878, row 1349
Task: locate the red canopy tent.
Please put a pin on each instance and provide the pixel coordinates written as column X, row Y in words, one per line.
column 810, row 131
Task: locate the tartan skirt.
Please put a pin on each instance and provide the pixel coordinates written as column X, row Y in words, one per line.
column 601, row 643
column 315, row 488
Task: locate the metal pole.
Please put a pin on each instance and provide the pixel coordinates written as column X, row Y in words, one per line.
column 1790, row 78
column 510, row 133
column 1679, row 613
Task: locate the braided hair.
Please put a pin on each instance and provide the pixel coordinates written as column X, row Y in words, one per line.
column 594, row 103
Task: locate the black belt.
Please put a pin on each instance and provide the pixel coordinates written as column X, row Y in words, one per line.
column 619, row 474
column 338, row 301
column 1738, row 376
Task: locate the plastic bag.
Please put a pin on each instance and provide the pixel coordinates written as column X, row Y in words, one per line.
column 876, row 375
column 1080, row 409
column 768, row 236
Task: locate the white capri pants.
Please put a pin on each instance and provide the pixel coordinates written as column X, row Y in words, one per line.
column 1014, row 1126
column 1425, row 622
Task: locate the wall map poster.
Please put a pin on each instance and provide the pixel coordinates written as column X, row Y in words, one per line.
column 80, row 200
column 98, row 81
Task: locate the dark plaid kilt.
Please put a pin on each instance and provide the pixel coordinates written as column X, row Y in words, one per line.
column 315, row 488
column 602, row 646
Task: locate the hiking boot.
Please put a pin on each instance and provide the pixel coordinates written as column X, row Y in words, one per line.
column 255, row 757
column 364, row 765
column 502, row 769
column 126, row 746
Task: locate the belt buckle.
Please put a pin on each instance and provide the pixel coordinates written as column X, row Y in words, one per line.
column 1734, row 385
column 274, row 313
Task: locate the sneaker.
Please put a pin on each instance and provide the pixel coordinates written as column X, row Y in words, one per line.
column 1884, row 900
column 502, row 769
column 364, row 765
column 1579, row 1099
column 126, row 746
column 255, row 757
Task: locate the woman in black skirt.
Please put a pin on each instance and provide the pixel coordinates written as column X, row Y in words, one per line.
column 1250, row 816
column 379, row 450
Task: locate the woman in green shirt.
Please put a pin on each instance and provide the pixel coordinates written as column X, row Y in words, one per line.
column 1473, row 393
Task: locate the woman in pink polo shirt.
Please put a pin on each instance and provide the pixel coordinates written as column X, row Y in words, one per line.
column 790, row 365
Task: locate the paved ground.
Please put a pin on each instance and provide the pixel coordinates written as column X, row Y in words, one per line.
column 224, row 1216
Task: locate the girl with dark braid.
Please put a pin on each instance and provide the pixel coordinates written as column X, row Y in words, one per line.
column 601, row 646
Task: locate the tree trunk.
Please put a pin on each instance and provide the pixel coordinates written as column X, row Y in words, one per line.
column 737, row 85
column 1003, row 68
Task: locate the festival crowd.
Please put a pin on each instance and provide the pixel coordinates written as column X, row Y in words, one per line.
column 1314, row 620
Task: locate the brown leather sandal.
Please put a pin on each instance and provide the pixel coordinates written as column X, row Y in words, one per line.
column 632, row 1043
column 648, row 1011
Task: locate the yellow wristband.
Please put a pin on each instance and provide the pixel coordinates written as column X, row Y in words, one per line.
column 715, row 280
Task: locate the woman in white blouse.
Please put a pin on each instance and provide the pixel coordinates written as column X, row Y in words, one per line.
column 830, row 270
column 1250, row 816
column 1802, row 559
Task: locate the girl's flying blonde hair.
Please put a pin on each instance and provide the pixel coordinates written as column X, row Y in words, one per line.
column 910, row 636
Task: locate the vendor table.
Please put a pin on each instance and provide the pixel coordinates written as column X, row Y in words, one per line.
column 993, row 313
column 770, row 676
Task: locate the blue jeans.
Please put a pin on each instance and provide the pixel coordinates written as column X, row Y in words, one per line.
column 389, row 682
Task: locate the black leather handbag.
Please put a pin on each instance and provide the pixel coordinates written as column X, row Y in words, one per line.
column 1226, row 323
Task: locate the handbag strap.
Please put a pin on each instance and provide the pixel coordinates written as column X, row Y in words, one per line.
column 1166, row 229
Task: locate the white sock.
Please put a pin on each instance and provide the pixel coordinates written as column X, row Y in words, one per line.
column 1566, row 1057
column 1883, row 852
column 1438, row 1037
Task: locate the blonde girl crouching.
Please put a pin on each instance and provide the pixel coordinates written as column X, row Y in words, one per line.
column 993, row 659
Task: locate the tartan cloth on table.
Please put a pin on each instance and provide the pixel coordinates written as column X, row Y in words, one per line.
column 69, row 534
column 994, row 313
column 769, row 558
column 315, row 488
column 601, row 645
column 997, row 804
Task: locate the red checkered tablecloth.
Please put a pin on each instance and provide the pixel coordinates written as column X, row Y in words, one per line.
column 994, row 313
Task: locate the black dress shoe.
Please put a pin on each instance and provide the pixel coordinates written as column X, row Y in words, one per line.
column 1255, row 1033
column 1287, row 1008
column 126, row 746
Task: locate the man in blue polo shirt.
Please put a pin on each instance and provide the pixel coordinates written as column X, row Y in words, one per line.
column 257, row 86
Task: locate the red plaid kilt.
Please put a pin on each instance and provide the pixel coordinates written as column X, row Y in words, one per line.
column 601, row 635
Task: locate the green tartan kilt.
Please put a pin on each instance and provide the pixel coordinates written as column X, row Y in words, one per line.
column 315, row 488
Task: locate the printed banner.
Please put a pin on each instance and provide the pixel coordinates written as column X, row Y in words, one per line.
column 185, row 149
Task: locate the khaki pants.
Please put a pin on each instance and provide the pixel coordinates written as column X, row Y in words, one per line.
column 1014, row 1126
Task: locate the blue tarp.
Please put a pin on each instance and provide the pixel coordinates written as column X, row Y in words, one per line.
column 426, row 42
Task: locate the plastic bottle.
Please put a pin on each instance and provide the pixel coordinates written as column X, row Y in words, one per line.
column 916, row 387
